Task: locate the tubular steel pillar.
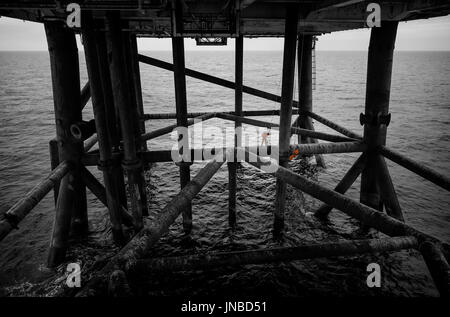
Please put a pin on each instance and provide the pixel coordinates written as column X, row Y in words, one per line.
column 305, row 92
column 438, row 267
column 378, row 85
column 239, row 79
column 137, row 86
column 304, row 82
column 71, row 204
column 135, row 109
column 104, row 142
column 387, row 191
column 112, row 120
column 123, row 102
column 290, row 41
column 54, row 162
column 345, row 183
column 232, row 166
column 181, row 109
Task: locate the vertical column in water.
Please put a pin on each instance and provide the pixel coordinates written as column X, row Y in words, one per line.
column 135, row 109
column 123, row 101
column 71, row 203
column 104, row 141
column 111, row 113
column 378, row 86
column 287, row 87
column 232, row 166
column 181, row 109
column 137, row 85
column 305, row 92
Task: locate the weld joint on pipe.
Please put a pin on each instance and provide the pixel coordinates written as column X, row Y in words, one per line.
column 129, row 165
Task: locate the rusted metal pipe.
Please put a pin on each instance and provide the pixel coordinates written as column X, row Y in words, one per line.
column 305, row 91
column 345, row 183
column 232, row 166
column 137, row 85
column 198, row 154
column 294, row 130
column 147, row 237
column 378, row 87
column 54, row 162
column 415, row 167
column 122, row 99
column 332, row 125
column 181, row 110
column 111, row 113
column 212, row 79
column 327, row 148
column 85, row 95
column 100, row 192
column 367, row 215
column 16, row 213
column 249, row 113
column 71, row 213
column 387, row 190
column 438, row 267
column 89, row 143
column 156, row 133
column 143, row 268
column 287, row 90
column 105, row 149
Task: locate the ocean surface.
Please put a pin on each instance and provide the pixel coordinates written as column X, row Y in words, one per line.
column 420, row 107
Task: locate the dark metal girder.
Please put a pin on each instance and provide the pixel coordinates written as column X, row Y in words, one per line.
column 257, row 18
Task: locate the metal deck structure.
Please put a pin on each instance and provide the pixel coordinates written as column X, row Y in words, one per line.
column 230, row 18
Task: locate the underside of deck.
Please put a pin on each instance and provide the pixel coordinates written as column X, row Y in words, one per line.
column 214, row 18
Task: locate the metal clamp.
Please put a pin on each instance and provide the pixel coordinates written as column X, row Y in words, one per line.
column 131, row 165
column 375, row 119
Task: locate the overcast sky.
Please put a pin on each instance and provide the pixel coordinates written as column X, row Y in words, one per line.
column 432, row 34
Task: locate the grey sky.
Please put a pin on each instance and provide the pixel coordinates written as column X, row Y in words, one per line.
column 432, row 34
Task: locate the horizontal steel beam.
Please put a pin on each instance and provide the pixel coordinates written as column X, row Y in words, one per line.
column 212, row 79
column 250, row 113
column 415, row 167
column 91, row 159
column 23, row 207
column 100, row 192
column 332, row 125
column 147, row 237
column 363, row 213
column 89, row 143
column 142, row 268
column 345, row 183
column 199, row 154
column 85, row 95
column 294, row 130
column 438, row 267
column 328, row 148
column 168, row 129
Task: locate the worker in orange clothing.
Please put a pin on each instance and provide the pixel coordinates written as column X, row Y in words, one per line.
column 294, row 154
